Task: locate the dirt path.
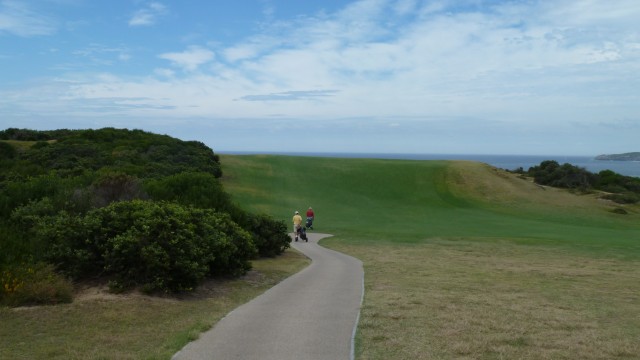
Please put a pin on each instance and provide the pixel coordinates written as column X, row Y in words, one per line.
column 311, row 315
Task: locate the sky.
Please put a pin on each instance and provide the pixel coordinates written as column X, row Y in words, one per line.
column 521, row 77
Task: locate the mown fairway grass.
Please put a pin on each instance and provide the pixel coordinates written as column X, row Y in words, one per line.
column 462, row 260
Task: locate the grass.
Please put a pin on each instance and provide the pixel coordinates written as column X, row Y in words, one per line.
column 470, row 299
column 463, row 260
column 22, row 145
column 407, row 201
column 98, row 325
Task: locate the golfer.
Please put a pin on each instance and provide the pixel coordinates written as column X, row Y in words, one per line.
column 297, row 222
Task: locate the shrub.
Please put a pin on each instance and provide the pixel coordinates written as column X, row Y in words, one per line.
column 23, row 134
column 551, row 173
column 619, row 211
column 40, row 145
column 115, row 186
column 159, row 246
column 7, row 151
column 233, row 248
column 156, row 247
column 612, row 188
column 70, row 242
column 33, row 284
column 269, row 235
column 623, row 198
column 70, row 200
column 197, row 189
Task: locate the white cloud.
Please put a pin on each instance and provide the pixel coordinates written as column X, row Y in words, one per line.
column 514, row 63
column 148, row 15
column 102, row 55
column 167, row 73
column 19, row 19
column 190, row 59
column 251, row 48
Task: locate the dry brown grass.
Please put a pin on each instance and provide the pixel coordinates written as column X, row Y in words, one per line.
column 99, row 325
column 508, row 191
column 495, row 300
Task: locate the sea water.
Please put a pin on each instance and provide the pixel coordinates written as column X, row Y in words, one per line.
column 508, row 162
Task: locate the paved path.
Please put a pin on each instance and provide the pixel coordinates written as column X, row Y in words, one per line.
column 309, row 316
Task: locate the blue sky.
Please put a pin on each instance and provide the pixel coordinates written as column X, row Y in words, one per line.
column 402, row 76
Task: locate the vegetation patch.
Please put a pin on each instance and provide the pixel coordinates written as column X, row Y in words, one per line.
column 140, row 209
column 482, row 299
column 101, row 325
column 33, row 284
column 623, row 189
column 463, row 260
column 620, row 211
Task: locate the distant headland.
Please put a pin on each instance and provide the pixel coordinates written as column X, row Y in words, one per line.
column 632, row 156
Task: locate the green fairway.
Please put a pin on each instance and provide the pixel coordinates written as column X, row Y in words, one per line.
column 463, row 260
column 409, row 201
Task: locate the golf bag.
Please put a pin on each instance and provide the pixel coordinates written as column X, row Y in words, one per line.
column 302, row 232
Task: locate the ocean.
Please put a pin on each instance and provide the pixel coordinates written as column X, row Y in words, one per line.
column 508, row 162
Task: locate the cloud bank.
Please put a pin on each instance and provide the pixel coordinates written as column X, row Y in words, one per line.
column 527, row 66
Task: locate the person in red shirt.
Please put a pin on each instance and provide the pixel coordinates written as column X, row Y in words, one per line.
column 310, row 218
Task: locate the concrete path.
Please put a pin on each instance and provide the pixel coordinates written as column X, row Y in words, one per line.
column 312, row 315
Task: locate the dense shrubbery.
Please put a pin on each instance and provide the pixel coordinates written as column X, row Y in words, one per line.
column 622, row 189
column 201, row 190
column 566, row 176
column 7, row 151
column 157, row 245
column 141, row 209
column 270, row 236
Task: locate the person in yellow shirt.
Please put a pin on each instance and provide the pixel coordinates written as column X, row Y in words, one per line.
column 297, row 223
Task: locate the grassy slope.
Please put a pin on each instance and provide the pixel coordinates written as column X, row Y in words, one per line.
column 462, row 260
column 410, row 201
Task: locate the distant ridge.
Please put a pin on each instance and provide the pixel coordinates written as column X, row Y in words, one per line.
column 632, row 156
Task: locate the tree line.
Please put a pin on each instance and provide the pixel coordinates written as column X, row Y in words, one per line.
column 136, row 208
column 618, row 188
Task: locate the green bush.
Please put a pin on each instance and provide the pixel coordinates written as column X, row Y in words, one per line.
column 197, row 189
column 40, row 144
column 7, row 151
column 551, row 173
column 236, row 246
column 115, row 186
column 71, row 242
column 269, row 235
column 159, row 246
column 75, row 199
column 24, row 134
column 156, row 247
column 625, row 189
column 33, row 284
